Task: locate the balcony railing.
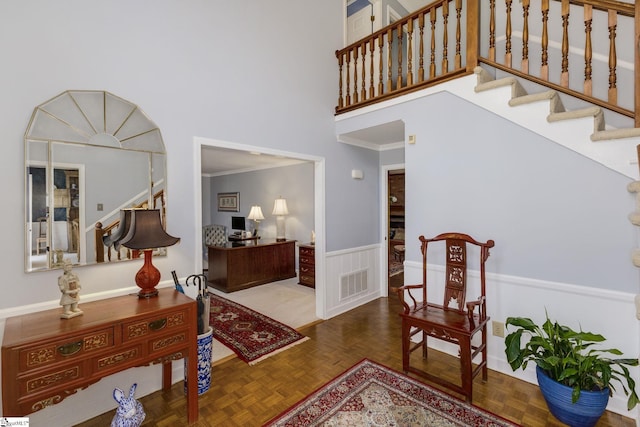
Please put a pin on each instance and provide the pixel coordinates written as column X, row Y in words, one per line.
column 584, row 48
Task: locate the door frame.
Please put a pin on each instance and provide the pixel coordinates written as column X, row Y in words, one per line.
column 319, row 206
column 384, row 225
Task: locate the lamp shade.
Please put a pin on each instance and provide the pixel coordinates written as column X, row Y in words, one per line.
column 280, row 207
column 146, row 231
column 256, row 213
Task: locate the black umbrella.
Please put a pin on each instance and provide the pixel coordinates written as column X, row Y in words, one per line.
column 200, row 281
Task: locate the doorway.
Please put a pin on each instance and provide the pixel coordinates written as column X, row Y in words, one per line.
column 318, row 196
column 395, row 227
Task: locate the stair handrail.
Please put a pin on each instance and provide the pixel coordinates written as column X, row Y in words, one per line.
column 364, row 63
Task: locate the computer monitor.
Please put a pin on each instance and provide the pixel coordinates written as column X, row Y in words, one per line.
column 238, row 223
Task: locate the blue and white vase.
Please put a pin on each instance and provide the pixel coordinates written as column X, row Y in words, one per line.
column 205, row 346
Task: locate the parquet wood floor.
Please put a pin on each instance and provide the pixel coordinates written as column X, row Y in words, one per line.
column 243, row 395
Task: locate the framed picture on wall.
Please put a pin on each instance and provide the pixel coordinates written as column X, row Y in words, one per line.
column 229, row 202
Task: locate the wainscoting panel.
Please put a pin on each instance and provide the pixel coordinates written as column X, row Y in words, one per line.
column 352, row 278
column 610, row 313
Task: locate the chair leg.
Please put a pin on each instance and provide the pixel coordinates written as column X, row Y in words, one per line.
column 424, row 345
column 406, row 345
column 466, row 369
column 485, row 370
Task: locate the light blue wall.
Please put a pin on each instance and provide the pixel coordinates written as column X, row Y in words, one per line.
column 554, row 215
column 293, row 183
column 392, row 157
column 254, row 73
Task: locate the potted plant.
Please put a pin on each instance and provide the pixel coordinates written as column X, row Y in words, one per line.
column 571, row 372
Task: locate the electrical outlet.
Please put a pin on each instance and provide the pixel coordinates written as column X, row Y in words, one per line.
column 497, row 328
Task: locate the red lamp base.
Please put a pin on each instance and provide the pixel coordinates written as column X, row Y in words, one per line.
column 147, row 277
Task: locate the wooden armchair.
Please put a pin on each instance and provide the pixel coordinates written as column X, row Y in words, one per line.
column 457, row 322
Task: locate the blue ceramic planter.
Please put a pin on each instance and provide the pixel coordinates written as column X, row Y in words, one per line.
column 584, row 413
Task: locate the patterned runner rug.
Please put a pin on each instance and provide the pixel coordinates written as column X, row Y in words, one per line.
column 251, row 335
column 369, row 394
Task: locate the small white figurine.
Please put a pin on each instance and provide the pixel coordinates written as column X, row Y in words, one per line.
column 69, row 285
column 130, row 412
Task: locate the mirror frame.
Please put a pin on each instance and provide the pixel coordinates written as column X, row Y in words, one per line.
column 89, row 143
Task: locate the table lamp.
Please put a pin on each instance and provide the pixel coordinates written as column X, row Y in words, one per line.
column 146, row 234
column 280, row 210
column 256, row 215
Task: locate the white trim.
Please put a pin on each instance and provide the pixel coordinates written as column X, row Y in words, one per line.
column 319, row 205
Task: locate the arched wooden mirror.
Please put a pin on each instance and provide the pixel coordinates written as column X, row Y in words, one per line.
column 88, row 154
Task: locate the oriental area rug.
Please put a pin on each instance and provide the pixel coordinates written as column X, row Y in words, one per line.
column 370, row 394
column 250, row 335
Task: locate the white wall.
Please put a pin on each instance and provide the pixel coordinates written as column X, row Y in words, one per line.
column 262, row 187
column 195, row 72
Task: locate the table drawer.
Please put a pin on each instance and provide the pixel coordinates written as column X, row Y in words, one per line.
column 111, row 361
column 154, row 325
column 168, row 342
column 63, row 350
column 307, row 270
column 51, row 378
column 307, row 252
column 307, row 280
column 306, row 259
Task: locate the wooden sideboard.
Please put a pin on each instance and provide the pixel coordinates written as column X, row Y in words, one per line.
column 236, row 266
column 46, row 359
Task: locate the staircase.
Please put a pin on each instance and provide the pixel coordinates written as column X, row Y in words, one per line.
column 583, row 131
column 613, row 148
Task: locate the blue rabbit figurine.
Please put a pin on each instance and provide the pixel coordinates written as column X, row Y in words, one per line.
column 130, row 412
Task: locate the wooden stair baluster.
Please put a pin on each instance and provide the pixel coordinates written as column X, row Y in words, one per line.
column 613, row 88
column 381, row 67
column 445, row 37
column 507, row 53
column 458, row 56
column 421, row 66
column 432, row 65
column 372, row 47
column 524, row 65
column 588, row 50
column 389, row 60
column 410, row 52
column 564, row 76
column 544, row 68
column 399, row 78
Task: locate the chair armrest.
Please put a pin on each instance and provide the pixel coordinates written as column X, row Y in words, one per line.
column 471, row 305
column 401, row 291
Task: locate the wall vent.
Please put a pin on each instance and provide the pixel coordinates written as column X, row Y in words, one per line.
column 353, row 283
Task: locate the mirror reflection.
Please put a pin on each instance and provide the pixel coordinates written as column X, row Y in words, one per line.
column 88, row 154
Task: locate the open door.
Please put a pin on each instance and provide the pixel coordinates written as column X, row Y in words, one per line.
column 395, row 227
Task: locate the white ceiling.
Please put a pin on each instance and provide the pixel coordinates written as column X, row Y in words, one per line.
column 387, row 136
column 223, row 161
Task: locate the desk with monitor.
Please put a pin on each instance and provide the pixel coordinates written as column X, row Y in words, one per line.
column 247, row 263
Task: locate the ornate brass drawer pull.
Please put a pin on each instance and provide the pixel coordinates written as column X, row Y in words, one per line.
column 156, row 325
column 70, row 348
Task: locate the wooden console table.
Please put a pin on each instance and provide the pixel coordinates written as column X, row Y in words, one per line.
column 236, row 266
column 45, row 358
